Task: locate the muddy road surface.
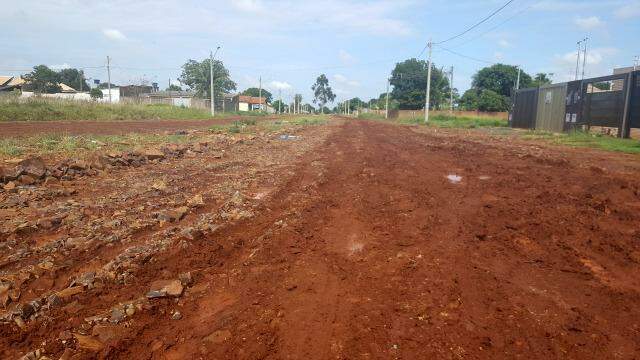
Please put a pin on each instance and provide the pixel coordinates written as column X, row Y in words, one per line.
column 353, row 240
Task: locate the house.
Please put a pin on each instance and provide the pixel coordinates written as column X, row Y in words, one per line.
column 618, row 85
column 10, row 83
column 248, row 103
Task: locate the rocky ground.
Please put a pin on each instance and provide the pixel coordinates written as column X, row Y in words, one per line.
column 348, row 240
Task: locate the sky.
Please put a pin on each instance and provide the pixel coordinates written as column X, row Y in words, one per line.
column 289, row 43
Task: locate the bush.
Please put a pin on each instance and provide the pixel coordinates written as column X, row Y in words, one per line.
column 96, row 94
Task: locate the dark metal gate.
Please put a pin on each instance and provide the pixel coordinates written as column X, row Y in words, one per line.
column 525, row 105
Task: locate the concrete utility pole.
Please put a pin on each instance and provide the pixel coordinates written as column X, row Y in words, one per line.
column 579, row 43
column 280, row 101
column 260, row 94
column 427, row 100
column 213, row 102
column 636, row 60
column 109, row 77
column 451, row 90
column 518, row 79
column 584, row 57
column 386, row 109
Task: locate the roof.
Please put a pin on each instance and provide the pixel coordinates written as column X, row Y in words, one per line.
column 172, row 94
column 252, row 99
column 66, row 88
column 11, row 80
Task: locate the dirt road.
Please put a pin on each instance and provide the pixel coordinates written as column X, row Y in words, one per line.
column 358, row 240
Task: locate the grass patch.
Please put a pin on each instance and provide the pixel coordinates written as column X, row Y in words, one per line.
column 585, row 139
column 371, row 116
column 42, row 109
column 457, row 122
column 77, row 145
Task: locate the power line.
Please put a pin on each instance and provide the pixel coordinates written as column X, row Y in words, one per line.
column 497, row 26
column 477, row 24
column 466, row 57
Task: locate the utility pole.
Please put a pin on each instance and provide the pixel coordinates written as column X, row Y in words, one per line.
column 386, row 109
column 584, row 57
column 280, row 101
column 518, row 79
column 109, row 77
column 213, row 102
column 451, row 90
column 636, row 60
column 427, row 100
column 260, row 94
column 579, row 43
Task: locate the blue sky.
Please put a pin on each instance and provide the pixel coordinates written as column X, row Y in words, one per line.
column 289, row 43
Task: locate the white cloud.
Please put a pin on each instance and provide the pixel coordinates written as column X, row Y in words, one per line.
column 343, row 80
column 588, row 23
column 60, row 66
column 628, row 11
column 279, row 85
column 345, row 57
column 598, row 63
column 498, row 56
column 114, row 34
column 248, row 5
column 504, row 43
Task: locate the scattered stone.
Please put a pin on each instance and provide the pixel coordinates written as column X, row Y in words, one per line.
column 131, row 310
column 105, row 332
column 196, row 201
column 27, row 180
column 117, row 315
column 33, row 167
column 79, row 165
column 9, row 186
column 87, row 279
column 4, row 294
column 164, row 288
column 176, row 316
column 159, row 185
column 88, row 342
column 18, row 320
column 186, row 279
column 153, row 154
column 69, row 292
column 173, row 215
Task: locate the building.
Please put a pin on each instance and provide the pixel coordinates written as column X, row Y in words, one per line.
column 135, row 91
column 618, row 85
column 10, row 83
column 175, row 98
column 247, row 103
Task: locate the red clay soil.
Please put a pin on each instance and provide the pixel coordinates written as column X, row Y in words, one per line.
column 365, row 249
column 24, row 128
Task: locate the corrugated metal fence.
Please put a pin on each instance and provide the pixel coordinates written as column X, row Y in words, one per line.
column 608, row 101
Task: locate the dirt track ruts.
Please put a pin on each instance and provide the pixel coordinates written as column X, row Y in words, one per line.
column 367, row 250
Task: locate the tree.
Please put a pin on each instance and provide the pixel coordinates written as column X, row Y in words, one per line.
column 500, row 79
column 409, row 80
column 255, row 92
column 105, row 85
column 322, row 92
column 74, row 78
column 491, row 101
column 197, row 76
column 174, row 87
column 96, row 94
column 43, row 80
column 469, row 100
column 540, row 79
column 279, row 106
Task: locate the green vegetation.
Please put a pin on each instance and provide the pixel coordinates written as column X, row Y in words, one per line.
column 75, row 145
column 42, row 109
column 251, row 126
column 371, row 116
column 449, row 121
column 585, row 139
